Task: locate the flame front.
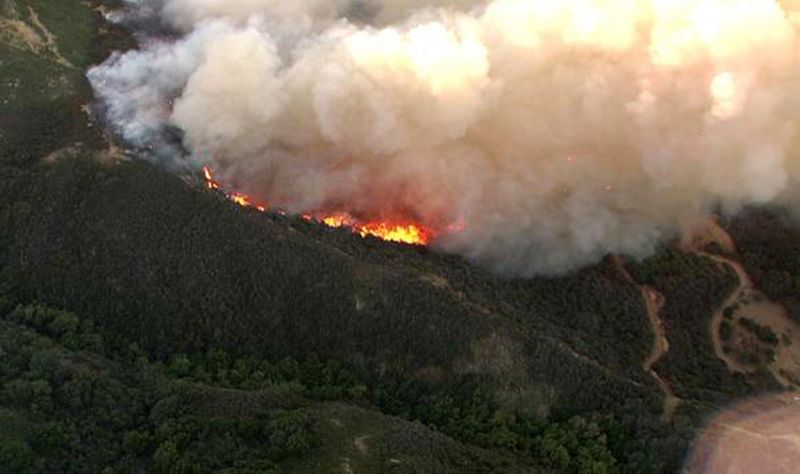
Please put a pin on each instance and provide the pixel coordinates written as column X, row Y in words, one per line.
column 208, row 175
column 403, row 233
column 390, row 231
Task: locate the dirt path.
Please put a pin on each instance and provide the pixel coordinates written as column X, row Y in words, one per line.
column 654, row 301
column 746, row 303
column 735, row 297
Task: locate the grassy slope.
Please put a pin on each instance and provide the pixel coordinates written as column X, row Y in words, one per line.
column 168, row 265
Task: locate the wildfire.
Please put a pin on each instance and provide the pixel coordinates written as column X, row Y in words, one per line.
column 407, row 233
column 211, row 183
column 404, row 233
column 244, row 201
column 391, row 231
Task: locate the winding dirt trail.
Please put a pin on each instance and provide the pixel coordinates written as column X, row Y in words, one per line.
column 654, row 301
column 748, row 299
column 716, row 234
column 745, row 284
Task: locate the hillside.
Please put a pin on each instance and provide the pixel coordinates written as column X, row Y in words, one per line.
column 141, row 307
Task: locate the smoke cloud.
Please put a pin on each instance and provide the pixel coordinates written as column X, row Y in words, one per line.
column 548, row 133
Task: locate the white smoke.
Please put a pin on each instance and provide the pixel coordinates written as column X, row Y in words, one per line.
column 550, row 133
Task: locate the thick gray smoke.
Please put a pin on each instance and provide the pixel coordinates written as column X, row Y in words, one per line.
column 547, row 133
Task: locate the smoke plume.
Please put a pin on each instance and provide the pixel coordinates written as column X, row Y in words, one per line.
column 548, row 133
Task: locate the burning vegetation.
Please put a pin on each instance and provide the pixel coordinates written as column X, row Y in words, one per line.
column 389, row 230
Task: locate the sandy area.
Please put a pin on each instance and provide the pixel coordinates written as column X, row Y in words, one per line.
column 756, row 436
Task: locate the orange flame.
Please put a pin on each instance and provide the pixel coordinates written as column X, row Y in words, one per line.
column 211, row 183
column 401, row 232
column 337, row 220
column 239, row 198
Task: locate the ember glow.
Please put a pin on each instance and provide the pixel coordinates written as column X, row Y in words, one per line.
column 390, row 231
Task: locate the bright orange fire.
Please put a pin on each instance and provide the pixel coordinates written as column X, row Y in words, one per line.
column 239, row 198
column 391, row 231
column 338, row 220
column 244, row 201
column 211, row 183
column 404, row 233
